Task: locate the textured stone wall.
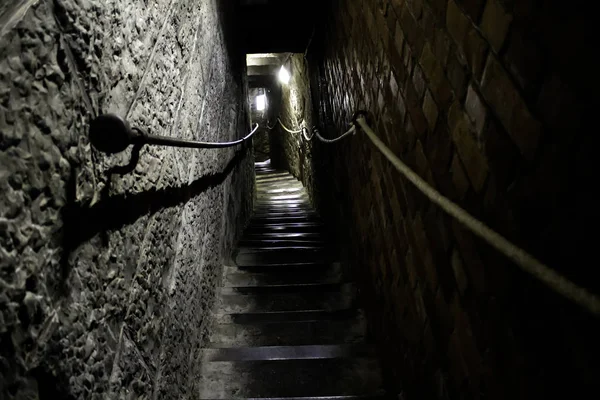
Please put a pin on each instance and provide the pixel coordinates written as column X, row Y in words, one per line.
column 107, row 272
column 291, row 150
column 261, row 138
column 486, row 100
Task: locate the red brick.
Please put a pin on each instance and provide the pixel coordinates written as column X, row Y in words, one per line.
column 459, row 177
column 412, row 30
column 435, row 75
column 418, row 81
column 430, row 110
column 410, row 268
column 401, row 109
column 458, row 24
column 495, row 23
column 418, row 120
column 441, row 45
column 459, row 272
column 472, row 8
column 399, row 39
column 474, row 161
column 415, row 7
column 471, row 261
column 501, row 94
column 475, row 109
column 475, row 49
column 458, row 366
column 428, row 24
column 410, row 135
column 420, row 309
column 457, row 77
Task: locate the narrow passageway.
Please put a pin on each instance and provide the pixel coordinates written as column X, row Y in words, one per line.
column 265, row 199
column 287, row 323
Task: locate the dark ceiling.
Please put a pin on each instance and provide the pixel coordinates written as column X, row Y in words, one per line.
column 276, row 26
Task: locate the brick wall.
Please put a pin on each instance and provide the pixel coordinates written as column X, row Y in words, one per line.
column 106, row 279
column 486, row 101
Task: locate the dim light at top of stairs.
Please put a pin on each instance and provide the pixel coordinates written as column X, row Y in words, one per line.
column 284, row 75
column 261, row 102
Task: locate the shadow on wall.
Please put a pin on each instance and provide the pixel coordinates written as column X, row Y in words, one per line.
column 113, row 212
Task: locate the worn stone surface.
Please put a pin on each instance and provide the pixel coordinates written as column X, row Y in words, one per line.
column 106, row 280
column 477, row 98
column 291, row 150
column 262, row 148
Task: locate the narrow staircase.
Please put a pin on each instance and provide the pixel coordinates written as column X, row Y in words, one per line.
column 287, row 323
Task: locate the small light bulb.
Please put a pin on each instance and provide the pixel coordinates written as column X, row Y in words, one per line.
column 261, row 102
column 284, row 75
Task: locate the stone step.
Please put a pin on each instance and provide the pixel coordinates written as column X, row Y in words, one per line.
column 348, row 330
column 284, row 378
column 280, row 191
column 281, row 353
column 279, row 302
column 268, row 197
column 291, row 288
column 285, row 185
column 281, row 256
column 284, row 236
column 285, row 316
column 285, row 268
column 273, row 225
column 269, row 208
column 282, row 204
column 375, row 396
column 291, row 227
column 276, row 243
column 283, row 219
column 276, row 179
column 236, row 277
column 287, row 213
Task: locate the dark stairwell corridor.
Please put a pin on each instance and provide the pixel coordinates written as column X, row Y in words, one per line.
column 286, row 266
column 287, row 323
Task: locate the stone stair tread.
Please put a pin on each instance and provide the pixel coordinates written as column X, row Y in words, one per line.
column 286, row 316
column 328, row 301
column 281, row 378
column 286, row 324
column 274, row 256
column 285, row 288
column 235, row 277
column 350, row 330
column 375, row 396
column 278, row 243
column 272, row 353
column 282, row 235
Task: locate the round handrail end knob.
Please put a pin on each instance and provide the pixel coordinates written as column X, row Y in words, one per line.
column 110, row 133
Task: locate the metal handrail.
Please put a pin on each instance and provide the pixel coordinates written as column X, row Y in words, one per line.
column 111, row 134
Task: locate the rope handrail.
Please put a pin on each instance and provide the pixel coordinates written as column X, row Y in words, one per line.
column 520, row 257
column 349, row 132
column 524, row 260
column 315, row 132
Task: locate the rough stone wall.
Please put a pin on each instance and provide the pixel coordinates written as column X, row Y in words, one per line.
column 484, row 99
column 292, row 152
column 261, row 138
column 106, row 279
